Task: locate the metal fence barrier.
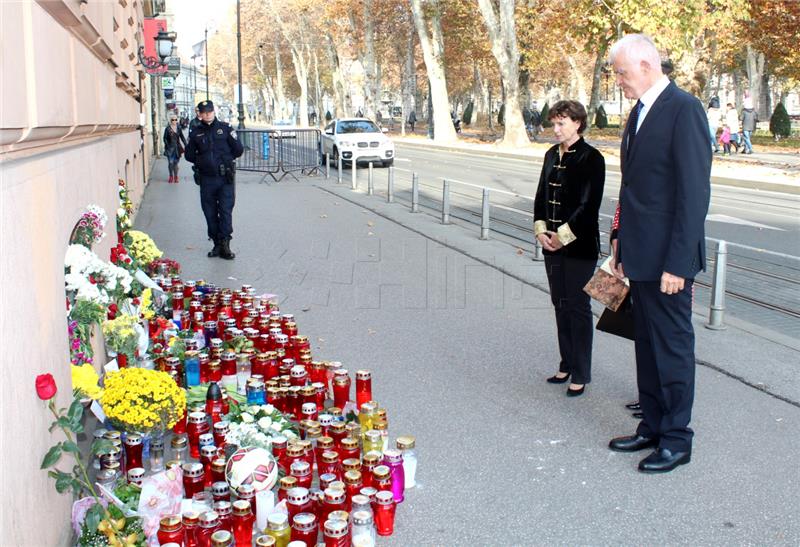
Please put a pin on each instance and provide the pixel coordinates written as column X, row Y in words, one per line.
column 280, row 152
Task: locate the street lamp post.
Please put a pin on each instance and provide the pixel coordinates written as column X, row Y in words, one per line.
column 240, row 106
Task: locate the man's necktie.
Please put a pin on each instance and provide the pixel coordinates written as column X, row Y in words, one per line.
column 634, row 121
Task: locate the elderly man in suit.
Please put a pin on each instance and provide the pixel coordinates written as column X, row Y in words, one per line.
column 660, row 246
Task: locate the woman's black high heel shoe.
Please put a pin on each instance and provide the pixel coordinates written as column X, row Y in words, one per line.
column 558, row 380
column 575, row 392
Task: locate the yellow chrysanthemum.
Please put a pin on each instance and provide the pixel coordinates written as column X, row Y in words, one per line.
column 85, row 380
column 129, row 399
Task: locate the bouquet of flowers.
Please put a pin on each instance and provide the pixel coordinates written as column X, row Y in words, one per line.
column 256, row 425
column 141, row 247
column 89, row 229
column 85, row 381
column 137, row 399
column 93, row 279
column 167, row 266
column 121, row 334
column 82, row 315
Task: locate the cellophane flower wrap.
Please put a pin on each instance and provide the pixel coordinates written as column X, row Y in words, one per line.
column 89, row 229
column 137, row 399
column 141, row 247
column 121, row 333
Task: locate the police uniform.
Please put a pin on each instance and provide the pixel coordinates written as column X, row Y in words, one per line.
column 212, row 149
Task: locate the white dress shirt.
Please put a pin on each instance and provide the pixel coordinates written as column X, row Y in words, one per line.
column 649, row 97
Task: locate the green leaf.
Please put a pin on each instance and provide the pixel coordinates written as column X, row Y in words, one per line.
column 93, row 517
column 75, row 412
column 52, row 456
column 77, row 428
column 101, row 446
column 69, row 446
column 64, row 482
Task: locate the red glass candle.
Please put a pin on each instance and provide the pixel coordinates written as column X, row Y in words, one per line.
column 243, row 520
column 215, row 371
column 301, row 470
column 304, row 528
column 384, row 509
column 220, row 490
column 288, row 326
column 334, row 501
column 330, row 464
column 189, row 287
column 382, row 478
column 294, row 453
column 338, row 432
column 224, row 509
column 260, row 365
column 279, row 450
column 133, row 451
column 348, row 448
column 198, row 425
column 218, row 470
column 323, row 444
column 286, row 484
column 209, row 523
column 336, row 533
column 353, row 485
column 221, row 430
column 193, row 479
column 191, row 524
column 228, row 363
column 297, row 501
column 214, row 402
column 177, row 300
column 363, row 387
column 370, row 462
column 341, row 391
column 170, row 530
column 299, row 375
column 204, row 371
column 208, row 453
column 247, row 492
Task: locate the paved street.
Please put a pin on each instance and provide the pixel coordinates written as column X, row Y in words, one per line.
column 460, row 338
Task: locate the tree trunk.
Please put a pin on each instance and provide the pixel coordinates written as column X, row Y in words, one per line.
column 503, row 37
column 341, row 104
column 765, row 101
column 318, row 93
column 301, row 72
column 432, row 43
column 409, row 81
column 280, row 97
column 755, row 75
column 597, row 72
column 577, row 81
column 371, row 86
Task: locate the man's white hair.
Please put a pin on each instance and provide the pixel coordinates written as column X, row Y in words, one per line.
column 636, row 47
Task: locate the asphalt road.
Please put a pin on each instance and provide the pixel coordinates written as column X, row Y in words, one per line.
column 762, row 228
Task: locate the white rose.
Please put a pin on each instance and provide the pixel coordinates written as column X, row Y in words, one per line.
column 253, row 409
column 269, row 409
column 276, row 426
column 247, row 418
column 265, row 422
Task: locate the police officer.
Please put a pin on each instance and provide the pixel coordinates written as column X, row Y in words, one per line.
column 212, row 148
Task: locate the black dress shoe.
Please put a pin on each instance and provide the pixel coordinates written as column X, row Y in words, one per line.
column 633, row 406
column 631, row 443
column 558, row 380
column 663, row 461
column 575, row 392
column 638, row 415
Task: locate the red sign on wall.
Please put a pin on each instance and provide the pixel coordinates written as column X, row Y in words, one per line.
column 151, row 29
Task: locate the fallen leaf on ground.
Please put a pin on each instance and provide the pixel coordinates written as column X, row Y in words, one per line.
column 370, row 223
column 520, row 251
column 189, row 248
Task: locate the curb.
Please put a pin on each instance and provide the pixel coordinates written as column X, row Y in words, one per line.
column 724, row 181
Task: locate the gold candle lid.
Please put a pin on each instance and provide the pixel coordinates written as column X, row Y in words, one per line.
column 406, row 442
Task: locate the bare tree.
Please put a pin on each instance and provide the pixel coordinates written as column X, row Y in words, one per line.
column 297, row 37
column 341, row 89
column 499, row 20
column 432, row 42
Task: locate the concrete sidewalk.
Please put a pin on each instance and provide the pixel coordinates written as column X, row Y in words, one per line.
column 460, row 336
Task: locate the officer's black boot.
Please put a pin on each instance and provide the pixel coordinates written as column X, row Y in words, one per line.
column 225, row 250
column 216, row 250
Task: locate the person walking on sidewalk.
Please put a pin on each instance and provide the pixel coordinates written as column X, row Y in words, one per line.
column 666, row 169
column 713, row 116
column 565, row 215
column 732, row 121
column 174, row 145
column 212, row 149
column 749, row 121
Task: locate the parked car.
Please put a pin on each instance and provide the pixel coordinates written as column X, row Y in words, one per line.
column 359, row 140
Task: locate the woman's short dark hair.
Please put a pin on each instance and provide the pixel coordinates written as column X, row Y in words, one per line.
column 569, row 109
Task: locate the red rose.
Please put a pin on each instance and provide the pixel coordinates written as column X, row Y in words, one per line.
column 45, row 386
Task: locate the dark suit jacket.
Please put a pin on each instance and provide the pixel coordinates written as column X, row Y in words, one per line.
column 666, row 187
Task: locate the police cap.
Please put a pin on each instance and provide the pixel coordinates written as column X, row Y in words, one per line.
column 205, row 106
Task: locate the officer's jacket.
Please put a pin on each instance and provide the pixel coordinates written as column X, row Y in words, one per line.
column 568, row 199
column 211, row 146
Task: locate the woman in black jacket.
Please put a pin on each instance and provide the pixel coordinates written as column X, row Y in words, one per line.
column 565, row 218
column 174, row 145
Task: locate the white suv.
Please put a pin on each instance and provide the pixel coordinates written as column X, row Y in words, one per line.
column 357, row 139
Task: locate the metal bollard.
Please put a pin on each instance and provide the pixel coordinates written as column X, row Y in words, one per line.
column 414, row 193
column 717, row 306
column 327, row 165
column 370, row 182
column 485, row 214
column 445, row 202
column 390, row 185
column 353, row 175
column 339, row 168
